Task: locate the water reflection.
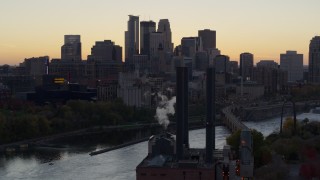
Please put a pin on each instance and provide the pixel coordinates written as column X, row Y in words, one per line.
column 75, row 163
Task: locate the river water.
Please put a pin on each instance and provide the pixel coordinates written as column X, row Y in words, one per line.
column 76, row 163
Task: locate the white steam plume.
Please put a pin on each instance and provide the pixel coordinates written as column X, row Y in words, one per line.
column 165, row 108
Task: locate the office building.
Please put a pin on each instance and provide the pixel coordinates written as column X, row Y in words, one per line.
column 146, row 27
column 246, row 65
column 208, row 38
column 274, row 79
column 314, row 60
column 164, row 27
column 221, row 63
column 268, row 64
column 190, row 45
column 156, row 43
column 293, row 63
column 71, row 50
column 106, row 51
column 132, row 37
column 234, row 68
column 36, row 66
column 212, row 53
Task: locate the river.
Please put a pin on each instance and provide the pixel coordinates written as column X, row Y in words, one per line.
column 76, row 163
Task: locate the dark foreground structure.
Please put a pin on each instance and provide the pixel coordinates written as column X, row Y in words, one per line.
column 169, row 157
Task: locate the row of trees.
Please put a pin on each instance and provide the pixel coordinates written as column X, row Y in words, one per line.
column 301, row 145
column 306, row 92
column 20, row 121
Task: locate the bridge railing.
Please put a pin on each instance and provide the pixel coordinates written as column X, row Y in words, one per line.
column 231, row 121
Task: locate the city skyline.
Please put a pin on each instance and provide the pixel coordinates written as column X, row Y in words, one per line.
column 266, row 29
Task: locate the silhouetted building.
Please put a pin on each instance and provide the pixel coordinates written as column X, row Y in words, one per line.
column 314, row 60
column 201, row 61
column 36, row 66
column 246, row 65
column 190, row 45
column 102, row 71
column 274, row 80
column 293, row 63
column 146, row 27
column 156, row 43
column 221, row 64
column 132, row 37
column 141, row 63
column 234, row 68
column 71, row 50
column 107, row 91
column 164, row 27
column 212, row 53
column 106, row 51
column 71, row 71
column 251, row 90
column 208, row 38
column 268, row 64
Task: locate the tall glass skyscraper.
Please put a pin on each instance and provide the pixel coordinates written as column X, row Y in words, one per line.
column 164, row 27
column 71, row 50
column 314, row 60
column 132, row 37
column 146, row 28
column 246, row 65
column 208, row 38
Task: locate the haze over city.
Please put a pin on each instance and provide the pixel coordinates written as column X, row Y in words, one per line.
column 265, row 28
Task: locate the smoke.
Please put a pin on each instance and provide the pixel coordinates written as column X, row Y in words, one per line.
column 169, row 89
column 165, row 108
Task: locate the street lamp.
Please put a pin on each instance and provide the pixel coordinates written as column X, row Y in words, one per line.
column 286, row 100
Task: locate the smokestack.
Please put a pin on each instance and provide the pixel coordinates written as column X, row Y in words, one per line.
column 210, row 129
column 185, row 110
column 182, row 136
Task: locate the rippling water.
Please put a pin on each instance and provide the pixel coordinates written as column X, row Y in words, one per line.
column 269, row 126
column 77, row 164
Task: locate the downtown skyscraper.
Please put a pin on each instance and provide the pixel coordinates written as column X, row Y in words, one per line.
column 146, row 28
column 293, row 64
column 164, row 28
column 314, row 60
column 132, row 37
column 246, row 65
column 71, row 50
column 208, row 38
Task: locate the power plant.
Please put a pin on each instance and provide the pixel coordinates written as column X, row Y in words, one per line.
column 171, row 158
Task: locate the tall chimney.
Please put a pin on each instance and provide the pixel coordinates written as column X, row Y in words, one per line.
column 182, row 113
column 210, row 129
column 185, row 108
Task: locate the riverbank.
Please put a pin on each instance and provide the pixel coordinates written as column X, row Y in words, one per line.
column 113, row 135
column 261, row 113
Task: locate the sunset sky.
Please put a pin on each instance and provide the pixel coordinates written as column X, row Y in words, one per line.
column 266, row 28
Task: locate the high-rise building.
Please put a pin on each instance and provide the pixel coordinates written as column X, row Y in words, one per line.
column 293, row 64
column 132, row 37
column 221, row 63
column 71, row 50
column 314, row 60
column 190, row 45
column 273, row 79
column 164, row 27
column 234, row 69
column 106, row 51
column 146, row 27
column 212, row 53
column 246, row 65
column 36, row 66
column 156, row 43
column 208, row 38
column 268, row 64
